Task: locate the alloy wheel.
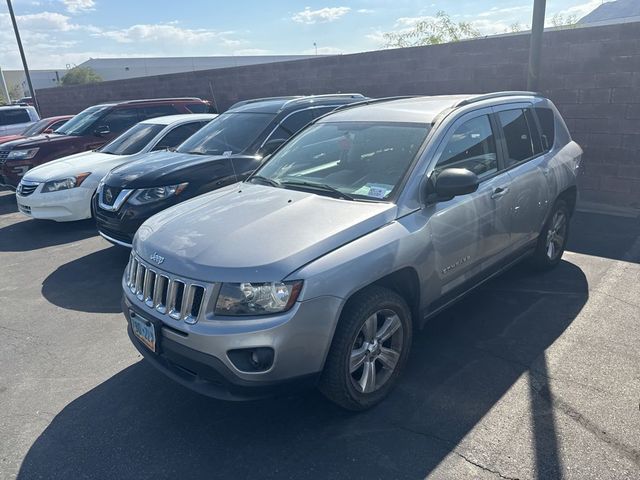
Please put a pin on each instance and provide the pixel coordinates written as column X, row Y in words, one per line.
column 556, row 235
column 376, row 351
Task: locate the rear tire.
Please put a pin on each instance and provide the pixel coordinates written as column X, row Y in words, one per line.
column 369, row 349
column 553, row 238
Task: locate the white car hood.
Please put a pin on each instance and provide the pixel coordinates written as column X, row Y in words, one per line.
column 97, row 163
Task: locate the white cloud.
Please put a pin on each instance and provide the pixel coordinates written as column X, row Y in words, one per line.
column 169, row 33
column 79, row 6
column 581, row 8
column 323, row 15
column 365, row 10
column 253, row 51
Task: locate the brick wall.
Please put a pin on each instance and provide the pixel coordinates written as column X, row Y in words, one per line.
column 592, row 74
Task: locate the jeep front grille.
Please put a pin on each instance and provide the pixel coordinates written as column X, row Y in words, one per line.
column 180, row 299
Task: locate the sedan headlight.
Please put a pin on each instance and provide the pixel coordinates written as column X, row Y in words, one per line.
column 257, row 298
column 22, row 154
column 65, row 183
column 148, row 195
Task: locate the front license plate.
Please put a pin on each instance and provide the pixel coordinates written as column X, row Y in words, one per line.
column 145, row 332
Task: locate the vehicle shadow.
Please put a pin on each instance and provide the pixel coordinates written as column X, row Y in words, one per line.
column 138, row 424
column 33, row 234
column 603, row 235
column 7, row 201
column 90, row 283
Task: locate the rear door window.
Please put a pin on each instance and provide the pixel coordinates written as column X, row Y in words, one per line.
column 178, row 135
column 158, row 111
column 120, row 119
column 546, row 119
column 517, row 135
column 14, row 116
column 472, row 146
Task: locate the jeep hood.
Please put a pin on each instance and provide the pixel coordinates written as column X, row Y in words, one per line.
column 157, row 169
column 254, row 233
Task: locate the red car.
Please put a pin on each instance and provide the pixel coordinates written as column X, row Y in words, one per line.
column 46, row 125
column 88, row 130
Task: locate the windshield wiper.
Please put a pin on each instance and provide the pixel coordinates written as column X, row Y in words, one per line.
column 318, row 186
column 268, row 181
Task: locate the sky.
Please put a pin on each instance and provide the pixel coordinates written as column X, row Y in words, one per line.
column 64, row 33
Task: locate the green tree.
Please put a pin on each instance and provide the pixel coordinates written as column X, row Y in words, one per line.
column 15, row 92
column 80, row 76
column 561, row 21
column 431, row 31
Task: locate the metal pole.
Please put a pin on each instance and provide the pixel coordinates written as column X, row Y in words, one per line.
column 24, row 59
column 535, row 49
column 3, row 85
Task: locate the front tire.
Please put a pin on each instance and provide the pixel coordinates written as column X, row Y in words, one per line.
column 369, row 350
column 553, row 238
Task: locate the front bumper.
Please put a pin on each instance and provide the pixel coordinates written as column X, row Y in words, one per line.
column 197, row 355
column 62, row 206
column 12, row 171
column 120, row 227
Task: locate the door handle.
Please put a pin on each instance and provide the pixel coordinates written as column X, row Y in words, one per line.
column 500, row 192
column 545, row 170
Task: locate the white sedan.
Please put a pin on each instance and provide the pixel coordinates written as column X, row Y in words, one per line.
column 62, row 190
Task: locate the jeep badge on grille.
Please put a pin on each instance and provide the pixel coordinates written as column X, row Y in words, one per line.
column 156, row 258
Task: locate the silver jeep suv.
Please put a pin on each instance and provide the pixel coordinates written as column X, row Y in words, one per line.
column 355, row 232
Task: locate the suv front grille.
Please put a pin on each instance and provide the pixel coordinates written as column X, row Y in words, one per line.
column 180, row 299
column 3, row 156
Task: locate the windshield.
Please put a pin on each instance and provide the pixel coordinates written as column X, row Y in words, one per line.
column 362, row 160
column 132, row 140
column 36, row 128
column 227, row 134
column 78, row 124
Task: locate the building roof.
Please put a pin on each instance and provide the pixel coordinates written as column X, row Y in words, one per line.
column 613, row 12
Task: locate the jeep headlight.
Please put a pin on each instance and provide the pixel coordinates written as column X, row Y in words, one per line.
column 25, row 154
column 65, row 183
column 257, row 298
column 154, row 194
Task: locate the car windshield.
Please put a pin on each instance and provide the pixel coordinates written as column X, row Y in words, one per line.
column 78, row 124
column 132, row 140
column 227, row 134
column 360, row 160
column 36, row 128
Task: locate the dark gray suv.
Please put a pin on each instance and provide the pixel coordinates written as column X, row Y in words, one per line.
column 358, row 230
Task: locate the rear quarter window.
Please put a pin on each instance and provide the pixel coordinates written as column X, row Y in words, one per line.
column 546, row 118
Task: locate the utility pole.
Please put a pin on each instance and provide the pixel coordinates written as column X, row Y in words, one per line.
column 535, row 48
column 24, row 59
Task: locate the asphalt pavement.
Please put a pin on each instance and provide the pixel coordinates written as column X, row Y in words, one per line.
column 531, row 376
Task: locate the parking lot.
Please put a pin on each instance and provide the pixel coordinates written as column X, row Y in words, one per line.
column 532, row 376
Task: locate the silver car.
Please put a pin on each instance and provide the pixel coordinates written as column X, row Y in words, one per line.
column 318, row 268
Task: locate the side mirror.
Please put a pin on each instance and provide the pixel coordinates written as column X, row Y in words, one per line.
column 101, row 131
column 453, row 182
column 47, row 131
column 271, row 146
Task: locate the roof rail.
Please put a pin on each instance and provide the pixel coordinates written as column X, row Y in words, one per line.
column 150, row 100
column 370, row 101
column 325, row 95
column 254, row 100
column 489, row 96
